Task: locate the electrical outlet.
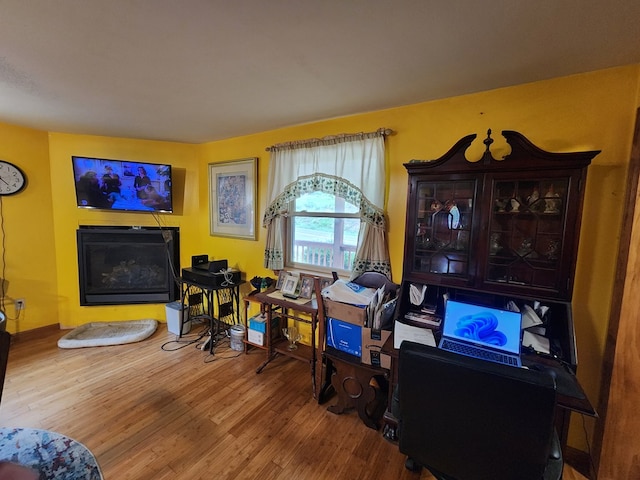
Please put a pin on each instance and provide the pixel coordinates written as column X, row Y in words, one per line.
column 20, row 304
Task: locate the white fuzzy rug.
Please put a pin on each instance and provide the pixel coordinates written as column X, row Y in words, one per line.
column 98, row 334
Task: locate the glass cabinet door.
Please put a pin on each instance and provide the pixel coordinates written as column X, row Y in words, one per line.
column 526, row 230
column 508, row 226
column 443, row 223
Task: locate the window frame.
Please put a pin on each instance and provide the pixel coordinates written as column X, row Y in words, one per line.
column 290, row 232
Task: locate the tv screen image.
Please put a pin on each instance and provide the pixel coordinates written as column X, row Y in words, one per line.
column 122, row 185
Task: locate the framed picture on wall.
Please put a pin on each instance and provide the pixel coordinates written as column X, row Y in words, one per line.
column 232, row 198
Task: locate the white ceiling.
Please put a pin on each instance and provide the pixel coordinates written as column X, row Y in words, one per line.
column 202, row 70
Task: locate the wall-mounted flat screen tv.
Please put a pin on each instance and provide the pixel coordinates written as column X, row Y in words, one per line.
column 122, row 185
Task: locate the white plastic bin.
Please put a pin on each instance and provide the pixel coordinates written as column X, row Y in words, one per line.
column 173, row 318
column 237, row 337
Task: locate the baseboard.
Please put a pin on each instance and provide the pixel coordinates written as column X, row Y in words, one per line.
column 35, row 334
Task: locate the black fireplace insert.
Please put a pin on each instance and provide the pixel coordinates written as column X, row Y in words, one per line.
column 128, row 265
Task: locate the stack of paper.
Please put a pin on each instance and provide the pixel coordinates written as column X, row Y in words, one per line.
column 537, row 342
column 533, row 336
column 403, row 331
column 380, row 310
column 530, row 318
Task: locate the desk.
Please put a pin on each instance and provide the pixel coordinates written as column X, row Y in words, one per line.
column 271, row 301
column 569, row 394
column 225, row 309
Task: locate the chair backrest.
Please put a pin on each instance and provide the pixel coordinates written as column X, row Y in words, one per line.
column 377, row 280
column 471, row 419
column 5, row 342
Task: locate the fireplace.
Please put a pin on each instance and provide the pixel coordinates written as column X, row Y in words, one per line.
column 128, row 265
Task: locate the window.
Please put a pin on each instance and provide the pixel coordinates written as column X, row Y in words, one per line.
column 318, row 230
column 323, row 232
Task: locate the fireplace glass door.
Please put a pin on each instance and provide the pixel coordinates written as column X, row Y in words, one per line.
column 127, row 266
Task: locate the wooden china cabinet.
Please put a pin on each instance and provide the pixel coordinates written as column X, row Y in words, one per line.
column 506, row 226
column 496, row 231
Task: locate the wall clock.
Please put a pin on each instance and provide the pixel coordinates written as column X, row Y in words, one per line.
column 12, row 179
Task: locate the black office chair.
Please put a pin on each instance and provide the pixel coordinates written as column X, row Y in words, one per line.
column 468, row 419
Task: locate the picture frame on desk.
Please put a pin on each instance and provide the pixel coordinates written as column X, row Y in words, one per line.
column 232, row 198
column 281, row 276
column 306, row 288
column 325, row 282
column 291, row 286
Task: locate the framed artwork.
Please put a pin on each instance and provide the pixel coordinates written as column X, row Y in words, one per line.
column 232, row 198
column 306, row 288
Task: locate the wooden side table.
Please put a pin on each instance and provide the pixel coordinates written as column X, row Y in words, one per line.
column 357, row 385
column 310, row 312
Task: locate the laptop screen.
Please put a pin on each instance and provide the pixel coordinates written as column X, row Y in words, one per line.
column 484, row 326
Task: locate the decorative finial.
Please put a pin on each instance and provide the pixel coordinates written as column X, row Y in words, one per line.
column 488, row 141
column 487, row 158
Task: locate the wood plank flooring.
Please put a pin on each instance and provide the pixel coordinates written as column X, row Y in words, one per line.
column 163, row 410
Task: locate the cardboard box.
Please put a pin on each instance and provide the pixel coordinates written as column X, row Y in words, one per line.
column 255, row 337
column 357, row 314
column 344, row 336
column 346, row 312
column 372, row 342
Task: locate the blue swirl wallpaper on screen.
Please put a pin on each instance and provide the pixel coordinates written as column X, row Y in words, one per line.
column 483, row 325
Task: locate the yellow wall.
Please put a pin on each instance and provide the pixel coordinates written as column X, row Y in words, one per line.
column 28, row 247
column 67, row 218
column 593, row 111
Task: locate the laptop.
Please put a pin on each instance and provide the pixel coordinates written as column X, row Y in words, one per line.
column 482, row 332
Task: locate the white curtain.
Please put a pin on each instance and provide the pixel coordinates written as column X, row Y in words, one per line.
column 348, row 166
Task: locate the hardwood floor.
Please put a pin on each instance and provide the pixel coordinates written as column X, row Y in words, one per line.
column 162, row 410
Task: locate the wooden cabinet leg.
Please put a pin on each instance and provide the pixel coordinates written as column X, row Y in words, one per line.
column 352, row 383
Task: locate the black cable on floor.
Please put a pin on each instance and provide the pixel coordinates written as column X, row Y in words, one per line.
column 186, row 342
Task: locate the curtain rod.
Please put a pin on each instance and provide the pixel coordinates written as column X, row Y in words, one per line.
column 329, row 140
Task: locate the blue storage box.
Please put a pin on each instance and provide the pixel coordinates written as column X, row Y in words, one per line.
column 258, row 323
column 344, row 336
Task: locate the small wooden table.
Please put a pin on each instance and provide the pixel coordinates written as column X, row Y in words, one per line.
column 313, row 314
column 357, row 385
